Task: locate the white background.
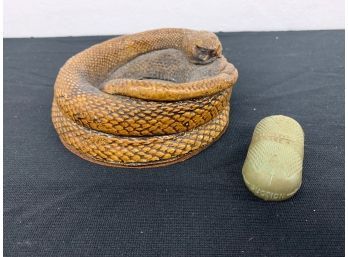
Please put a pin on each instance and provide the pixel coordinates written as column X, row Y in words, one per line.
column 48, row 18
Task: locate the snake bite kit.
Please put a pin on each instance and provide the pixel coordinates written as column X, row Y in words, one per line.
column 273, row 167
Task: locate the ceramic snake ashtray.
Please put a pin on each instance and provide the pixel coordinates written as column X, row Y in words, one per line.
column 147, row 99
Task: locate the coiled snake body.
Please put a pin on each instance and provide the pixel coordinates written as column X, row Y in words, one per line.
column 147, row 99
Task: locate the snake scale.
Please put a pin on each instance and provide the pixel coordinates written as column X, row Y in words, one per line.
column 147, row 99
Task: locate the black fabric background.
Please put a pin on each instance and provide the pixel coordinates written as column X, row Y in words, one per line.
column 56, row 204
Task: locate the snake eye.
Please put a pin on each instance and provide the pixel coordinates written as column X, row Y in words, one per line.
column 203, row 50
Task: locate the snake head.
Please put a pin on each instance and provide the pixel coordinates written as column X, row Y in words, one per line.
column 202, row 47
column 205, row 55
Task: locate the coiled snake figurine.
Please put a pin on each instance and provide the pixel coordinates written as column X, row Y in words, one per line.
column 147, row 99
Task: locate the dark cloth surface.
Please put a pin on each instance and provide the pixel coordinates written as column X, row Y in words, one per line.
column 56, row 204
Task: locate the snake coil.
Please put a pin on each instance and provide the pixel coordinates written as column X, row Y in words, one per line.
column 147, row 99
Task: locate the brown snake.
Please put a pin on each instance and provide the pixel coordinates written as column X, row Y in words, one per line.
column 147, row 99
